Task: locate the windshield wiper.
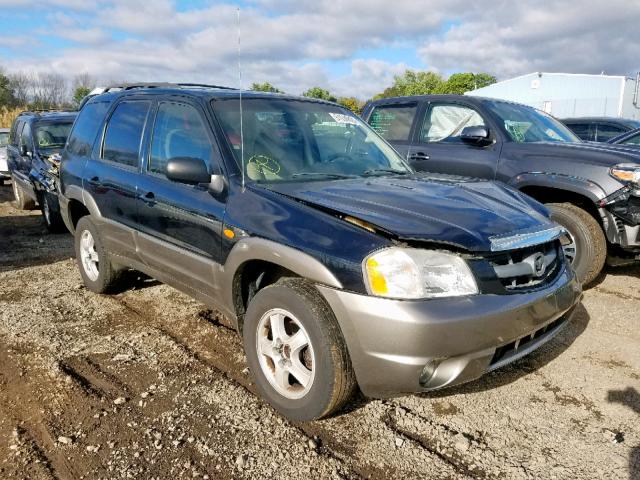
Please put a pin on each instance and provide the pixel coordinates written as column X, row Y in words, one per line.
column 322, row 174
column 373, row 171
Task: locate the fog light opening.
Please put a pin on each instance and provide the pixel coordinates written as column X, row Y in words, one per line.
column 428, row 372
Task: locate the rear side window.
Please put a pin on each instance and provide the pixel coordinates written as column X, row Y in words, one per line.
column 123, row 135
column 86, row 127
column 178, row 132
column 393, row 122
column 635, row 140
column 581, row 130
column 606, row 131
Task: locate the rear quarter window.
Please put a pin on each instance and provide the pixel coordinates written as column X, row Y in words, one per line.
column 86, row 127
column 393, row 122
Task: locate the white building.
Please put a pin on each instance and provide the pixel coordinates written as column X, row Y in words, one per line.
column 571, row 95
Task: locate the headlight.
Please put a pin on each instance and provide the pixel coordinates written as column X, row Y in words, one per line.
column 626, row 172
column 412, row 273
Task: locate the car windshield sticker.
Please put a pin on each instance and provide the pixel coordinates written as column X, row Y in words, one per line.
column 341, row 118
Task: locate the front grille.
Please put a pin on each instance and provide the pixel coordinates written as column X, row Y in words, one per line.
column 528, row 268
column 514, row 349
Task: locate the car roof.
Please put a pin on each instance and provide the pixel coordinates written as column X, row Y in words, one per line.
column 195, row 90
column 621, row 121
column 5, row 130
column 49, row 115
column 473, row 99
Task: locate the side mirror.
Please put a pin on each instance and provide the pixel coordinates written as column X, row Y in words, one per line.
column 476, row 135
column 188, row 170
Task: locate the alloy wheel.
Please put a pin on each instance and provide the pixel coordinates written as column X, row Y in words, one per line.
column 89, row 256
column 285, row 353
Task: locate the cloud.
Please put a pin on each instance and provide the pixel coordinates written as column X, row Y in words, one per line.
column 526, row 36
column 299, row 44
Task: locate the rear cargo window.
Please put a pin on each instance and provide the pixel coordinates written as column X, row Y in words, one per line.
column 86, row 128
column 393, row 122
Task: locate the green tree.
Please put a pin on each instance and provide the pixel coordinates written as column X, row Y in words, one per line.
column 352, row 104
column 460, row 83
column 7, row 96
column 321, row 93
column 413, row 83
column 265, row 87
column 79, row 93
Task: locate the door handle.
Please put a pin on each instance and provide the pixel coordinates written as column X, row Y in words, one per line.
column 149, row 198
column 94, row 180
column 419, row 156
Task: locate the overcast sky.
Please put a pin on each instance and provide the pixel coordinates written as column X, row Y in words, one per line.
column 351, row 47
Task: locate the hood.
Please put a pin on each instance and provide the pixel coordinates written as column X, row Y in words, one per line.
column 427, row 208
column 600, row 154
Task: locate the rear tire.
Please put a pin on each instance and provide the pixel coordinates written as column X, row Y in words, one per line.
column 587, row 237
column 318, row 378
column 94, row 262
column 51, row 212
column 22, row 200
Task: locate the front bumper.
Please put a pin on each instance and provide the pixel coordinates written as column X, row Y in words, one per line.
column 391, row 341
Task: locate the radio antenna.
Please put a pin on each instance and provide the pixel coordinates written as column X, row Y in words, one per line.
column 240, row 90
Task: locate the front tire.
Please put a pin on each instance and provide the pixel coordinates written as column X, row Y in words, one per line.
column 94, row 261
column 586, row 245
column 296, row 351
column 22, row 200
column 51, row 213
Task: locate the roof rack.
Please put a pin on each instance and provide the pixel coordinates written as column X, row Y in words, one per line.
column 132, row 86
column 38, row 111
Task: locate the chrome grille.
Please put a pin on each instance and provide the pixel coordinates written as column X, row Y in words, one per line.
column 526, row 268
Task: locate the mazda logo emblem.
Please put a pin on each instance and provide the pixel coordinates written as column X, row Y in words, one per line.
column 538, row 264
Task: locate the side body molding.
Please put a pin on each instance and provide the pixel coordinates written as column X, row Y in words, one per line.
column 582, row 186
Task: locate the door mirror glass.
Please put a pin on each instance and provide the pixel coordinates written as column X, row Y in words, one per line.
column 476, row 135
column 188, row 170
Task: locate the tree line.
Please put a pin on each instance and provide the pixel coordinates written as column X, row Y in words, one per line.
column 409, row 83
column 42, row 91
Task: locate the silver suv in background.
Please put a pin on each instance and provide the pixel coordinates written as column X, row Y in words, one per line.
column 4, row 169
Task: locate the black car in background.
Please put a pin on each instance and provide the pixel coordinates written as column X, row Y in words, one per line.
column 599, row 129
column 33, row 156
column 628, row 139
column 591, row 189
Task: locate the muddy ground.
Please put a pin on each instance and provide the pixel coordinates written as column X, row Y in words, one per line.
column 150, row 384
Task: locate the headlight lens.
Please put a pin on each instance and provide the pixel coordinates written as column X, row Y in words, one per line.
column 413, row 273
column 626, row 172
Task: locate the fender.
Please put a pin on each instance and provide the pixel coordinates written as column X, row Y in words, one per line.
column 557, row 181
column 290, row 258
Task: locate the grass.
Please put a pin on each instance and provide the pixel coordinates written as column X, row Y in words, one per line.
column 7, row 115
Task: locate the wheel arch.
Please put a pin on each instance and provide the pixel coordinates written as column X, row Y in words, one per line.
column 254, row 263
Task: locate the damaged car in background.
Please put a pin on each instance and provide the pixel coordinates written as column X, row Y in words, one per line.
column 33, row 152
column 591, row 189
column 339, row 265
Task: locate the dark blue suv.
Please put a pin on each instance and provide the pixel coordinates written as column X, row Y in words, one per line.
column 339, row 265
column 33, row 157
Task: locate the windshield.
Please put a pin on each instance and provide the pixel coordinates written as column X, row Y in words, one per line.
column 288, row 140
column 4, row 139
column 51, row 135
column 527, row 125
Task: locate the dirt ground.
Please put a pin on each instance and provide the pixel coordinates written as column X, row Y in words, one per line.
column 150, row 384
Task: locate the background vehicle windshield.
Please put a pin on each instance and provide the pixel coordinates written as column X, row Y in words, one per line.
column 291, row 140
column 4, row 139
column 528, row 125
column 51, row 135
